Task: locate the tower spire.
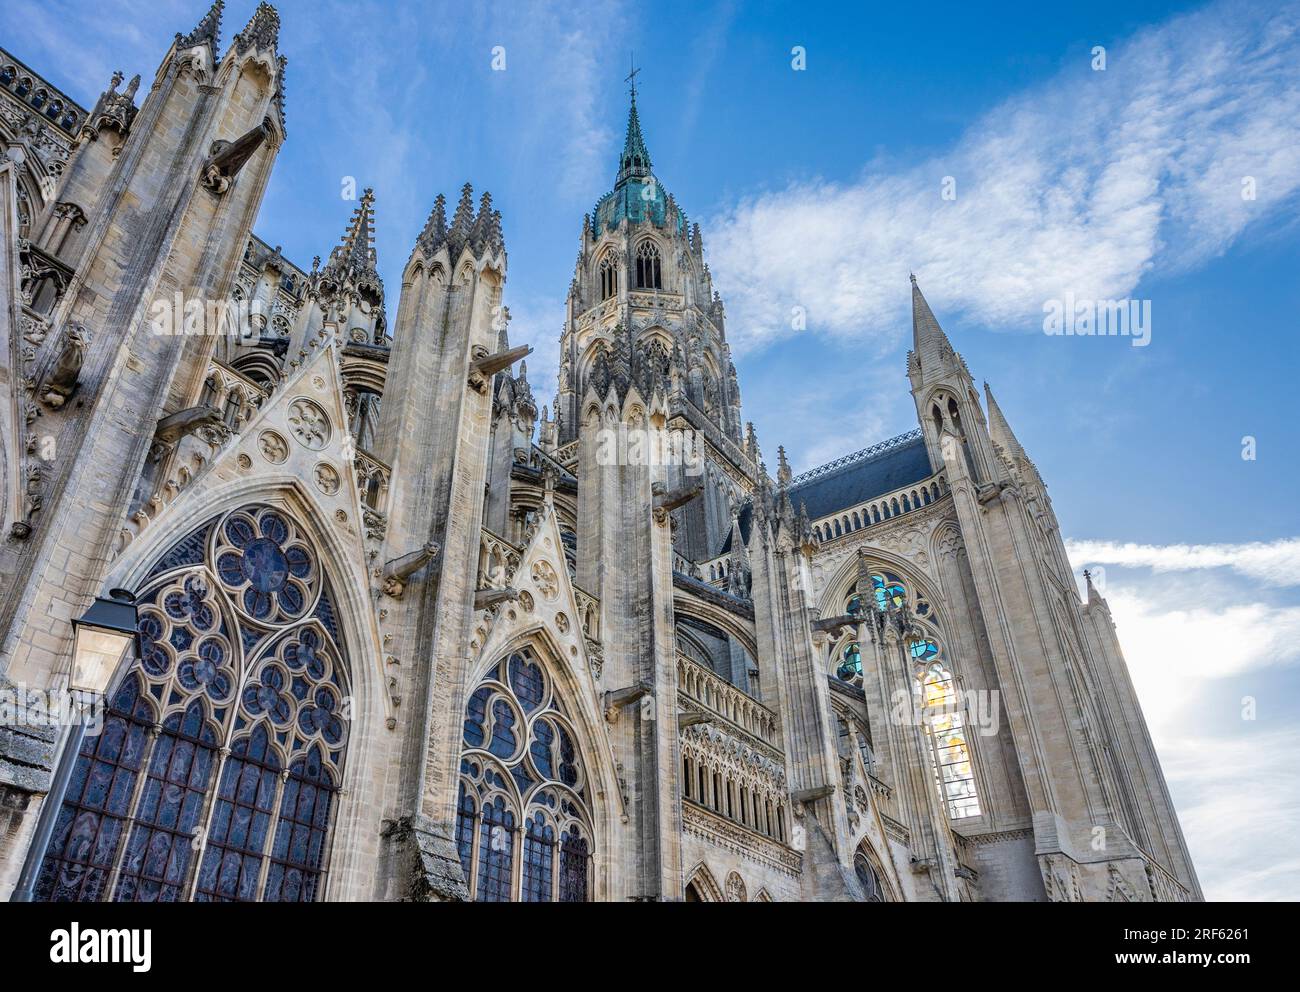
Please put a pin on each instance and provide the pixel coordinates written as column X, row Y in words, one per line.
column 929, row 343
column 358, row 242
column 634, row 163
column 1000, row 431
column 262, row 31
column 355, row 260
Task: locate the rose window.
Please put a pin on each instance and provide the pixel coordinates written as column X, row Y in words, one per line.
column 266, row 565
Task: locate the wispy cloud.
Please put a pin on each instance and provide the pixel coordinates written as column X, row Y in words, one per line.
column 1175, row 651
column 1274, row 562
column 1195, row 647
column 1083, row 185
column 1239, row 802
column 45, row 30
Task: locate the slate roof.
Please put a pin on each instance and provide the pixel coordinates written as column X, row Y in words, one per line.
column 863, row 475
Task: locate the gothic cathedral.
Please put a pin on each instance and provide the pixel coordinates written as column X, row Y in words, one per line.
column 403, row 635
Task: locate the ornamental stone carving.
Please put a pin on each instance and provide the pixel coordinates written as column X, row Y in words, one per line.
column 274, row 448
column 327, row 478
column 547, row 582
column 309, row 424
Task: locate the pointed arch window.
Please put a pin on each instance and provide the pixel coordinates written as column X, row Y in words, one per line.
column 869, row 877
column 648, row 271
column 608, row 270
column 223, row 745
column 523, row 822
column 935, row 687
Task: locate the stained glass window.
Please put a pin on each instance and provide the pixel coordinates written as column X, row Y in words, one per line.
column 238, row 652
column 522, row 790
column 935, row 686
column 181, row 769
column 869, row 877
column 539, row 856
column 954, row 769
column 850, row 669
column 889, row 590
column 83, row 848
column 574, row 861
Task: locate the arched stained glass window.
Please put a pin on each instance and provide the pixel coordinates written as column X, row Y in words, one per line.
column 539, row 859
column 181, row 770
column 575, row 861
column 954, row 768
column 850, row 669
column 939, row 700
column 83, row 849
column 223, row 746
column 523, row 791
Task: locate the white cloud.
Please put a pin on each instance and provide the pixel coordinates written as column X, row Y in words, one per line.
column 1174, row 653
column 1194, row 647
column 1080, row 185
column 1239, row 799
column 1274, row 562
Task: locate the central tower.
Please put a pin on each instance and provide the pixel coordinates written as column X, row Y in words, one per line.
column 642, row 304
column 641, row 311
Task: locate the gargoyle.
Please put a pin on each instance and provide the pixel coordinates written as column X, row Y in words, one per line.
column 833, row 625
column 228, row 157
column 618, row 699
column 61, row 381
column 483, row 598
column 181, row 424
column 665, row 502
column 485, row 366
column 397, row 571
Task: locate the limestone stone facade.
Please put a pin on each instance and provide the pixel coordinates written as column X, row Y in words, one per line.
column 406, row 636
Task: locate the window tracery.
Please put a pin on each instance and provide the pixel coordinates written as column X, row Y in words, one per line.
column 869, row 877
column 223, row 746
column 648, row 271
column 935, row 688
column 523, row 823
column 608, row 276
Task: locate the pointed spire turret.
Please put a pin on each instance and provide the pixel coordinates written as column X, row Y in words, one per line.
column 435, row 228
column 207, row 30
column 355, row 261
column 480, row 231
column 1000, row 431
column 1093, row 595
column 634, row 163
column 929, row 344
column 463, row 219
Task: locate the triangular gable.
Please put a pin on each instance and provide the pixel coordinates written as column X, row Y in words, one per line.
column 300, row 432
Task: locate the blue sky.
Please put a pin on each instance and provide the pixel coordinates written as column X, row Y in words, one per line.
column 821, row 189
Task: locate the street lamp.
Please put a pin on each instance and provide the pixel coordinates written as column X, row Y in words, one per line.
column 103, row 636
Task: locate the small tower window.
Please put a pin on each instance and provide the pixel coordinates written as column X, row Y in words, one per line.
column 647, row 266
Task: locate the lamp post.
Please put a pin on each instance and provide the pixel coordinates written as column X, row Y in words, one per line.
column 104, row 636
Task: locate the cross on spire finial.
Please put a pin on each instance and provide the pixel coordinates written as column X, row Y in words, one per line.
column 631, row 76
